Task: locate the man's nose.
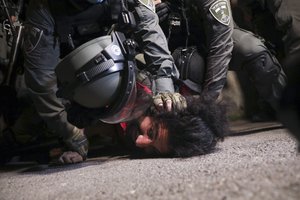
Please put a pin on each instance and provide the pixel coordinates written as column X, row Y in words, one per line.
column 143, row 141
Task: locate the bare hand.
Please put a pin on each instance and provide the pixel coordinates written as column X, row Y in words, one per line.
column 70, row 157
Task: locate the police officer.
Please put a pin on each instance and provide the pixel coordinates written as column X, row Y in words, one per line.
column 209, row 26
column 52, row 23
column 286, row 15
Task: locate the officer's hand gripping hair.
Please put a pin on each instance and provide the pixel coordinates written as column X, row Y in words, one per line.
column 169, row 101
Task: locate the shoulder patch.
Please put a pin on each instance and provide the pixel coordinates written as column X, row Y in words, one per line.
column 220, row 10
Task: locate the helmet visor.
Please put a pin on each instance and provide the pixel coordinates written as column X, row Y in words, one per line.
column 138, row 102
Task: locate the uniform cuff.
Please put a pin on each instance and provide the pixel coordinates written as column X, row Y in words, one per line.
column 164, row 85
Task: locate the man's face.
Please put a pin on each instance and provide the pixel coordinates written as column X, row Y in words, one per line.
column 149, row 136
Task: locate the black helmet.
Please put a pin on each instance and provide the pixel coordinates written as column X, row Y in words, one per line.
column 191, row 67
column 99, row 76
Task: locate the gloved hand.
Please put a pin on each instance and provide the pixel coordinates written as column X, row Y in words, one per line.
column 162, row 11
column 78, row 146
column 168, row 101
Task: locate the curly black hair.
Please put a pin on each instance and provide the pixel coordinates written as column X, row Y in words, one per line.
column 195, row 130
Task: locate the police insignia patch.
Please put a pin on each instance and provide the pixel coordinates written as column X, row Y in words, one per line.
column 220, row 10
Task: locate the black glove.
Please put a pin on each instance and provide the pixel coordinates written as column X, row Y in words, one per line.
column 162, row 11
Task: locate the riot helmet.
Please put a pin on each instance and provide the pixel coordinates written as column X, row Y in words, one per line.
column 99, row 75
column 191, row 67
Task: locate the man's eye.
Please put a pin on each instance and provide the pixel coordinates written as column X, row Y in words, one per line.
column 151, row 134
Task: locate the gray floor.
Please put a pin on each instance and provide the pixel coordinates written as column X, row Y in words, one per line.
column 263, row 165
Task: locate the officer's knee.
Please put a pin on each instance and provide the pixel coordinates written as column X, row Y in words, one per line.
column 263, row 66
column 247, row 46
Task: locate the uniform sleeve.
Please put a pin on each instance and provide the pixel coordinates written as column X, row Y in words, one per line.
column 218, row 27
column 151, row 39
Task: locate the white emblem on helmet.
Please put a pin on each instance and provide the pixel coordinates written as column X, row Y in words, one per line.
column 116, row 50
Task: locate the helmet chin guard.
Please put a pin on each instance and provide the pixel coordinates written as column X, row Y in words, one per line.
column 99, row 75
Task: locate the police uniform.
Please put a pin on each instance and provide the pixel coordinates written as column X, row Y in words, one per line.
column 212, row 30
column 286, row 14
column 287, row 18
column 212, row 36
column 42, row 51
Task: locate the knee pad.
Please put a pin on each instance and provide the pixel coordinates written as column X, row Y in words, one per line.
column 267, row 76
column 252, row 55
column 263, row 67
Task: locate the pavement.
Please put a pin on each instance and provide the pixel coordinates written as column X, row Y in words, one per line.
column 259, row 161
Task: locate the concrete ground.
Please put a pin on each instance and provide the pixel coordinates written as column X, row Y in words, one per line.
column 261, row 165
